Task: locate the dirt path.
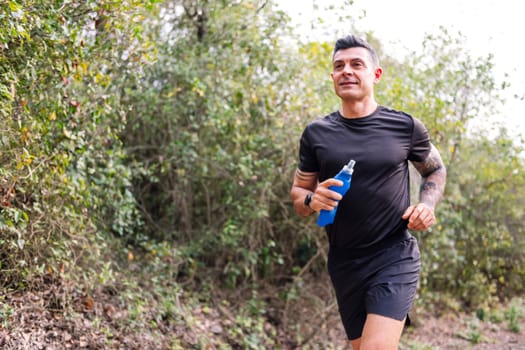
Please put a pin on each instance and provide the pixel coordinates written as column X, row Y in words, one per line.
column 463, row 332
column 35, row 320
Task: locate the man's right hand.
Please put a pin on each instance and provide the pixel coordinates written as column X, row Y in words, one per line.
column 324, row 198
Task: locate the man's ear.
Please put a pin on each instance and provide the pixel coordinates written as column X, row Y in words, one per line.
column 378, row 73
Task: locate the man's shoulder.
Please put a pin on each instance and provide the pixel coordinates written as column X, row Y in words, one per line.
column 400, row 117
column 394, row 113
column 324, row 120
column 331, row 117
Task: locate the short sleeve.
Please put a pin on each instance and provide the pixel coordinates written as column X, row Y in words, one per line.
column 307, row 159
column 420, row 147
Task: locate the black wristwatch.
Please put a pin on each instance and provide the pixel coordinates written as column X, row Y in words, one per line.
column 308, row 199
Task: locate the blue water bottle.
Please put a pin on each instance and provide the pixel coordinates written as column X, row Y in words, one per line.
column 345, row 175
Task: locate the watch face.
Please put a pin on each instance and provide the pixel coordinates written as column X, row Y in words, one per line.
column 308, row 199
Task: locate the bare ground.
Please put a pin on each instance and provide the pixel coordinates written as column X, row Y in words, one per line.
column 59, row 318
column 463, row 331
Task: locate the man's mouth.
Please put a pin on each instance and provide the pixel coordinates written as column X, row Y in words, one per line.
column 348, row 83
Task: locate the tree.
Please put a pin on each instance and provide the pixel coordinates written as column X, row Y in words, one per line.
column 60, row 155
column 208, row 129
column 478, row 234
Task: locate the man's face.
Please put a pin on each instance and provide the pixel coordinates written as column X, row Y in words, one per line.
column 354, row 74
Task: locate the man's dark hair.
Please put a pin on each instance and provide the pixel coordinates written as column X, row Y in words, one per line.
column 350, row 41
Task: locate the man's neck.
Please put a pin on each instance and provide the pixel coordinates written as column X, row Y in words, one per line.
column 358, row 109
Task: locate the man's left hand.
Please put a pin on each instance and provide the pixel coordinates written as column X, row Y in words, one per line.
column 420, row 217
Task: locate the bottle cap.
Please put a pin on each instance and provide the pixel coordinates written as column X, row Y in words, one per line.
column 350, row 166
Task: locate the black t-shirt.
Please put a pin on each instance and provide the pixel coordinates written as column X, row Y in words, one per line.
column 381, row 144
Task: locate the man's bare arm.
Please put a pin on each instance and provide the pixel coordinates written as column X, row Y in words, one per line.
column 434, row 176
column 303, row 184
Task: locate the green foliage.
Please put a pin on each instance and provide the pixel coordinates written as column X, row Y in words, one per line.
column 212, row 137
column 479, row 236
column 210, row 133
column 5, row 313
column 514, row 315
column 61, row 171
column 169, row 130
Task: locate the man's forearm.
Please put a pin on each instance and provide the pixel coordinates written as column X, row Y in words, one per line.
column 298, row 195
column 434, row 178
column 303, row 184
column 433, row 187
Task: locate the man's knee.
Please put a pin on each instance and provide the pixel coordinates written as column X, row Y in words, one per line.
column 378, row 343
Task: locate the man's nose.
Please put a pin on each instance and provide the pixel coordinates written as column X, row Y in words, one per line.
column 347, row 69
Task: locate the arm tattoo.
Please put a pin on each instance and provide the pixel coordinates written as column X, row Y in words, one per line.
column 430, row 193
column 434, row 175
column 430, row 165
column 428, row 186
column 302, row 176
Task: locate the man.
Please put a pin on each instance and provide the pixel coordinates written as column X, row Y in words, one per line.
column 373, row 260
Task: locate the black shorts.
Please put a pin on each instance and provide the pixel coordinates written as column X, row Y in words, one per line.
column 382, row 282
